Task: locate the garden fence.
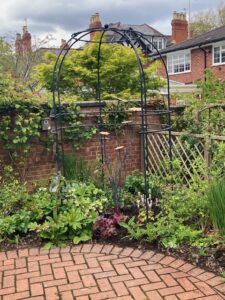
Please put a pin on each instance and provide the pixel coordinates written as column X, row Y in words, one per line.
column 192, row 150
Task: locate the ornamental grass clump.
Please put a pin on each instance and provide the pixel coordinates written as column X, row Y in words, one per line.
column 216, row 204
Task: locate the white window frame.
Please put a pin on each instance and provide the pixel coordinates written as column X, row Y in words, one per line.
column 157, row 40
column 175, row 56
column 218, row 45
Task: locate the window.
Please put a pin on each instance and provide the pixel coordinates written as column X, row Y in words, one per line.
column 179, row 63
column 158, row 43
column 219, row 55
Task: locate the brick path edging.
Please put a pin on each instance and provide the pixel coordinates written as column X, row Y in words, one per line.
column 37, row 273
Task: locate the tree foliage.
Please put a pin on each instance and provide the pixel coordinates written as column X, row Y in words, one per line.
column 118, row 72
column 206, row 114
column 20, row 66
column 7, row 58
column 205, row 21
column 12, row 91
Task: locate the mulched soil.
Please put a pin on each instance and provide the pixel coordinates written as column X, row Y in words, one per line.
column 213, row 259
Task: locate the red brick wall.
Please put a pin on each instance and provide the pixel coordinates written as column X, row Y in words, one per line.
column 41, row 164
column 130, row 155
column 197, row 67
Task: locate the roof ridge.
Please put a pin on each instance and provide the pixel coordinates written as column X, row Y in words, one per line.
column 154, row 29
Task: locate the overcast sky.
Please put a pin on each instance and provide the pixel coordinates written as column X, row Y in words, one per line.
column 63, row 17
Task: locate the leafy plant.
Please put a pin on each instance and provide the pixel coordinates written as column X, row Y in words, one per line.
column 12, row 197
column 75, row 169
column 72, row 224
column 106, row 226
column 216, row 204
column 67, row 214
column 135, row 230
column 72, row 216
column 115, row 115
column 207, row 115
column 75, row 134
column 85, row 196
column 135, row 185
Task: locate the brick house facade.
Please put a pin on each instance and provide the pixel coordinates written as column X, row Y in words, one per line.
column 198, row 67
column 187, row 60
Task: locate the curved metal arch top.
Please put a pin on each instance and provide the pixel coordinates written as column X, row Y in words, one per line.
column 131, row 38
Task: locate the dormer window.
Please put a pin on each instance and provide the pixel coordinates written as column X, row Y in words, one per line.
column 179, row 62
column 219, row 55
column 158, row 43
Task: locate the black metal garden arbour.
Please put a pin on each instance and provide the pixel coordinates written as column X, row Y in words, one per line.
column 131, row 38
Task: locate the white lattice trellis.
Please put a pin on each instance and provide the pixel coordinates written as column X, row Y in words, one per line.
column 190, row 149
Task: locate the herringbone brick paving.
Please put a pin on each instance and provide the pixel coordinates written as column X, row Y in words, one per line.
column 97, row 272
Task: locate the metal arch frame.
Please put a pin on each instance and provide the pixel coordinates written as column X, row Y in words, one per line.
column 56, row 76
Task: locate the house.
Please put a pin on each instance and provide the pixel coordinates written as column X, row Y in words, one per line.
column 187, row 59
column 152, row 36
column 23, row 43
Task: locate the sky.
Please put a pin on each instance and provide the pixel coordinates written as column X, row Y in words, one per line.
column 60, row 18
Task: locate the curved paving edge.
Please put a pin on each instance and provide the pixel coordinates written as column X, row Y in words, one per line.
column 97, row 271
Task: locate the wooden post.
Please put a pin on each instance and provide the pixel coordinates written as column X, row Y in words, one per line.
column 207, row 144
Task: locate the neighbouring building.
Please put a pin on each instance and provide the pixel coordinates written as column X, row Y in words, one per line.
column 23, row 42
column 187, row 59
column 150, row 34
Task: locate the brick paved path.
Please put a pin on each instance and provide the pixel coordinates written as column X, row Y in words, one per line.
column 103, row 272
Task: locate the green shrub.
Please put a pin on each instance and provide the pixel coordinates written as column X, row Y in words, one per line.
column 12, row 197
column 182, row 217
column 135, row 185
column 67, row 214
column 72, row 224
column 73, row 216
column 166, row 230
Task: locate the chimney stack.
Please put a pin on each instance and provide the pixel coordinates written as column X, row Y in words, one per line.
column 64, row 44
column 23, row 43
column 179, row 27
column 26, row 40
column 95, row 22
column 18, row 44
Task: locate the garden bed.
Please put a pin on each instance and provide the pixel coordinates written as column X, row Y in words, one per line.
column 76, row 212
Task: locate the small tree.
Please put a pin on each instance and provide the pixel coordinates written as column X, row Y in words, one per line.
column 118, row 72
column 7, row 57
column 205, row 114
column 205, row 21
